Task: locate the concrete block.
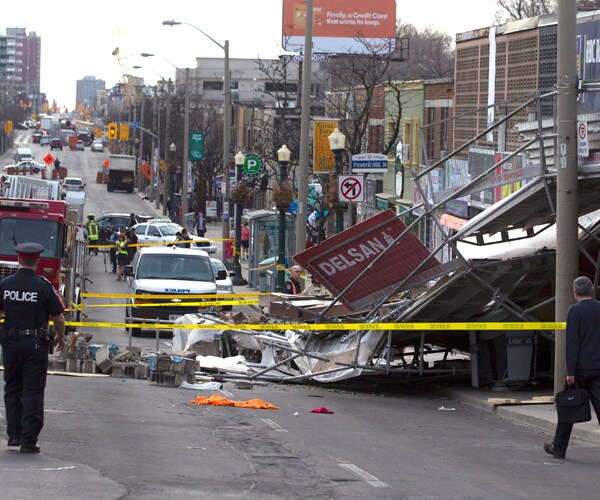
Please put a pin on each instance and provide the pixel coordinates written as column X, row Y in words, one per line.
column 103, row 361
column 118, row 370
column 57, row 364
column 136, row 352
column 73, row 365
column 123, row 357
column 141, row 371
column 163, row 364
column 88, row 366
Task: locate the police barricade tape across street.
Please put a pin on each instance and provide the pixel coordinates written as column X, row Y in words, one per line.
column 169, row 296
column 159, row 243
column 332, row 326
column 208, row 303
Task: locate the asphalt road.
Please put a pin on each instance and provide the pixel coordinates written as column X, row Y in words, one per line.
column 110, row 438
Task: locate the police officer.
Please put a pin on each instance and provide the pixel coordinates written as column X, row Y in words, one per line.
column 91, row 227
column 27, row 300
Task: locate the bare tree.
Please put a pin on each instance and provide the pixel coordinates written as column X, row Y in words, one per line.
column 510, row 10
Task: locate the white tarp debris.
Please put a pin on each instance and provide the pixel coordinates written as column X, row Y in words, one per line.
column 230, row 364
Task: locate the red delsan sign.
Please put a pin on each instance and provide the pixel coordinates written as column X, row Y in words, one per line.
column 341, row 258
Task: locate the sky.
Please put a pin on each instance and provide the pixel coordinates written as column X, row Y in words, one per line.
column 78, row 38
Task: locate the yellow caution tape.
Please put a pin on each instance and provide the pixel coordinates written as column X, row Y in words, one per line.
column 157, row 243
column 334, row 326
column 179, row 296
column 180, row 304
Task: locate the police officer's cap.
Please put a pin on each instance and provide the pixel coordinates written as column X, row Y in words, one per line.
column 29, row 250
column 90, row 216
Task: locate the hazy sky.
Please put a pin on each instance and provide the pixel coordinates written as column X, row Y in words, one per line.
column 79, row 37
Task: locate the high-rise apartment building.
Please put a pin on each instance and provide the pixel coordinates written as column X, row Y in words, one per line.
column 20, row 55
column 87, row 91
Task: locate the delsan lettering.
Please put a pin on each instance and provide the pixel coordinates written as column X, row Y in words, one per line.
column 19, row 296
column 352, row 256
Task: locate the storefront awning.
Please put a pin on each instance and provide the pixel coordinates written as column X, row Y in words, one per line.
column 452, row 221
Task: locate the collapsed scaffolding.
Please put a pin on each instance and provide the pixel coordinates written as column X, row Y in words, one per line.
column 516, row 286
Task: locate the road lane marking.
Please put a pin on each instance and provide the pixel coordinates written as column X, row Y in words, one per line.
column 273, row 425
column 364, row 475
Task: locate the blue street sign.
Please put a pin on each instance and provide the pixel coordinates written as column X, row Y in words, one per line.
column 134, row 124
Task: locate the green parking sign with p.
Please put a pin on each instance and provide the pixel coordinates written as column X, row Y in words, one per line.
column 196, row 146
column 253, row 165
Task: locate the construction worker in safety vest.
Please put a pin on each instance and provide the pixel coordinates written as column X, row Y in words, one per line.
column 122, row 255
column 91, row 227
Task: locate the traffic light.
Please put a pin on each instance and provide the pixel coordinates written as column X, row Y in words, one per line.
column 124, row 131
column 112, row 131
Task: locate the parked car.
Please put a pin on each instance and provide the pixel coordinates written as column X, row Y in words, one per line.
column 118, row 221
column 56, row 143
column 23, row 154
column 153, row 231
column 224, row 284
column 97, row 147
column 24, row 166
column 167, row 271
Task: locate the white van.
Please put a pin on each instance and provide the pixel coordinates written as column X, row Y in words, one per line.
column 170, row 271
column 23, row 154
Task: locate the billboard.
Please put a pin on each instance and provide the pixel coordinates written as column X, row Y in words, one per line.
column 341, row 26
column 339, row 259
column 323, row 160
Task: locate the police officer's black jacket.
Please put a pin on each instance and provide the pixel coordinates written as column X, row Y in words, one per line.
column 28, row 300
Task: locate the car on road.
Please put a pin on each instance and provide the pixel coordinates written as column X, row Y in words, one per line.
column 154, row 231
column 56, row 143
column 24, row 166
column 97, row 147
column 80, row 146
column 118, row 221
column 72, row 184
column 44, row 140
column 224, row 284
column 171, row 271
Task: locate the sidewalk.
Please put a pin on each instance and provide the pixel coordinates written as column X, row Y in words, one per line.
column 539, row 415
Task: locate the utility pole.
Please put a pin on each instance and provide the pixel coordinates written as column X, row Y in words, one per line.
column 567, row 250
column 226, row 143
column 304, row 132
column 167, row 176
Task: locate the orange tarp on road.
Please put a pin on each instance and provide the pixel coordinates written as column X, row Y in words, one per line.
column 216, row 400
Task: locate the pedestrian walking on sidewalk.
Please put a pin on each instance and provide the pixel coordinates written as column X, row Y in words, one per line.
column 582, row 356
column 245, row 241
column 201, row 225
column 27, row 302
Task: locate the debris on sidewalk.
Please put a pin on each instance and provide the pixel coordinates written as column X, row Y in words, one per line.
column 322, row 410
column 536, row 400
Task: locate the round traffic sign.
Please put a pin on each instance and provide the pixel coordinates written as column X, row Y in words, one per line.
column 253, row 165
column 582, row 131
column 351, row 188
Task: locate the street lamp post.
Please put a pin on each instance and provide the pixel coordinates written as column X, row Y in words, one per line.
column 226, row 118
column 283, row 155
column 337, row 144
column 169, row 176
column 238, row 279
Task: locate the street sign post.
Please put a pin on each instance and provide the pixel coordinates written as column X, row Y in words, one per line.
column 196, row 146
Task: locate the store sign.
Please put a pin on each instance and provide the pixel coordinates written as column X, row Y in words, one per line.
column 337, row 261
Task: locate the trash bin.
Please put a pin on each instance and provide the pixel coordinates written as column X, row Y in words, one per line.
column 519, row 354
column 271, row 279
column 265, row 268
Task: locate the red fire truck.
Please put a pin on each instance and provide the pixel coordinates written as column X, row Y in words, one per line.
column 52, row 224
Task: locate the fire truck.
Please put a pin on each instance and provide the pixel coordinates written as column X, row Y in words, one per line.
column 36, row 215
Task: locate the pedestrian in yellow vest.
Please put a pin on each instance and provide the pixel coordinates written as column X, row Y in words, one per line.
column 91, row 227
column 122, row 256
